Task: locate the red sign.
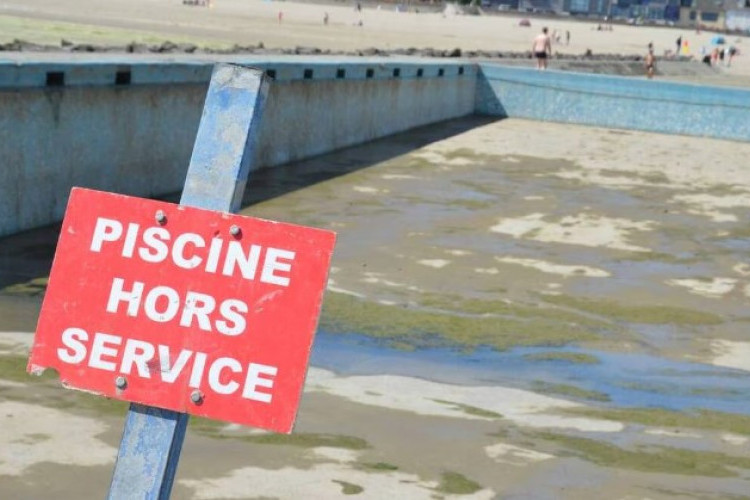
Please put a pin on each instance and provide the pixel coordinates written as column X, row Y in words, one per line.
column 180, row 308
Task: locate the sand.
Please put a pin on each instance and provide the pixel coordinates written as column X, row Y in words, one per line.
column 251, row 22
column 424, row 397
column 733, row 354
column 321, row 481
column 30, row 435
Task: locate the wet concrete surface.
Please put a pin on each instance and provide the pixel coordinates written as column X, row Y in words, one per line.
column 507, row 316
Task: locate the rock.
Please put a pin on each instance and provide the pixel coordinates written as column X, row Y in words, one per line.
column 306, row 51
column 187, row 48
column 165, row 47
column 83, row 47
column 136, row 48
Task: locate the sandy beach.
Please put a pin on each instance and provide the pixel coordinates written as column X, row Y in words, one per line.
column 246, row 22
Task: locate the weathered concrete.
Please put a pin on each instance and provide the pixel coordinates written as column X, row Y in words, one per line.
column 130, row 127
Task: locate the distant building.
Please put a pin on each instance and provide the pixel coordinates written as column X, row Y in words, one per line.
column 548, row 6
column 708, row 14
column 739, row 19
column 643, row 10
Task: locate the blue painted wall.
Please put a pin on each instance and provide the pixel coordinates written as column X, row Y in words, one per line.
column 615, row 102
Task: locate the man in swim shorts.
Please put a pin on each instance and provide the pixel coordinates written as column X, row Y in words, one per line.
column 542, row 49
column 650, row 63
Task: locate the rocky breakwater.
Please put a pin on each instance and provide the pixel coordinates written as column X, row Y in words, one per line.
column 168, row 47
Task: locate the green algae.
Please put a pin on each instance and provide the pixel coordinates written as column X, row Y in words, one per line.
column 662, row 459
column 470, row 410
column 207, row 427
column 309, row 440
column 477, row 187
column 739, row 232
column 696, row 496
column 414, row 162
column 461, row 153
column 647, row 387
column 657, row 417
column 33, row 438
column 92, row 403
column 672, row 389
column 569, row 391
column 13, row 368
column 454, row 483
column 379, row 466
column 343, row 313
column 459, row 304
column 636, row 313
column 214, row 429
column 653, row 177
column 469, row 204
column 31, row 288
column 578, row 358
column 652, row 256
column 349, row 488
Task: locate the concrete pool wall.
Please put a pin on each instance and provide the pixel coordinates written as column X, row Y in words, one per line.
column 614, row 102
column 130, row 127
column 128, row 124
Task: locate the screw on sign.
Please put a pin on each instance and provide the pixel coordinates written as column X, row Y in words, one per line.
column 193, row 310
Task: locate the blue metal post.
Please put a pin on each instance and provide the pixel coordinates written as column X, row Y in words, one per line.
column 152, row 439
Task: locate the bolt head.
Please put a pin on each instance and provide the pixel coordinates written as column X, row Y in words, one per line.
column 196, row 397
column 161, row 217
column 121, row 382
column 235, row 230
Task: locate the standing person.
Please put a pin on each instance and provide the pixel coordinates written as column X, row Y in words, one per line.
column 715, row 56
column 679, row 46
column 567, row 37
column 650, row 63
column 542, row 47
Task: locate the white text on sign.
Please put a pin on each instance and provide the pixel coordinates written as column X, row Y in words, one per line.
column 155, row 244
column 105, row 351
column 191, row 309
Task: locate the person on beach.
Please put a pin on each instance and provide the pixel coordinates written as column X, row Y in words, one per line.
column 542, row 49
column 650, row 63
